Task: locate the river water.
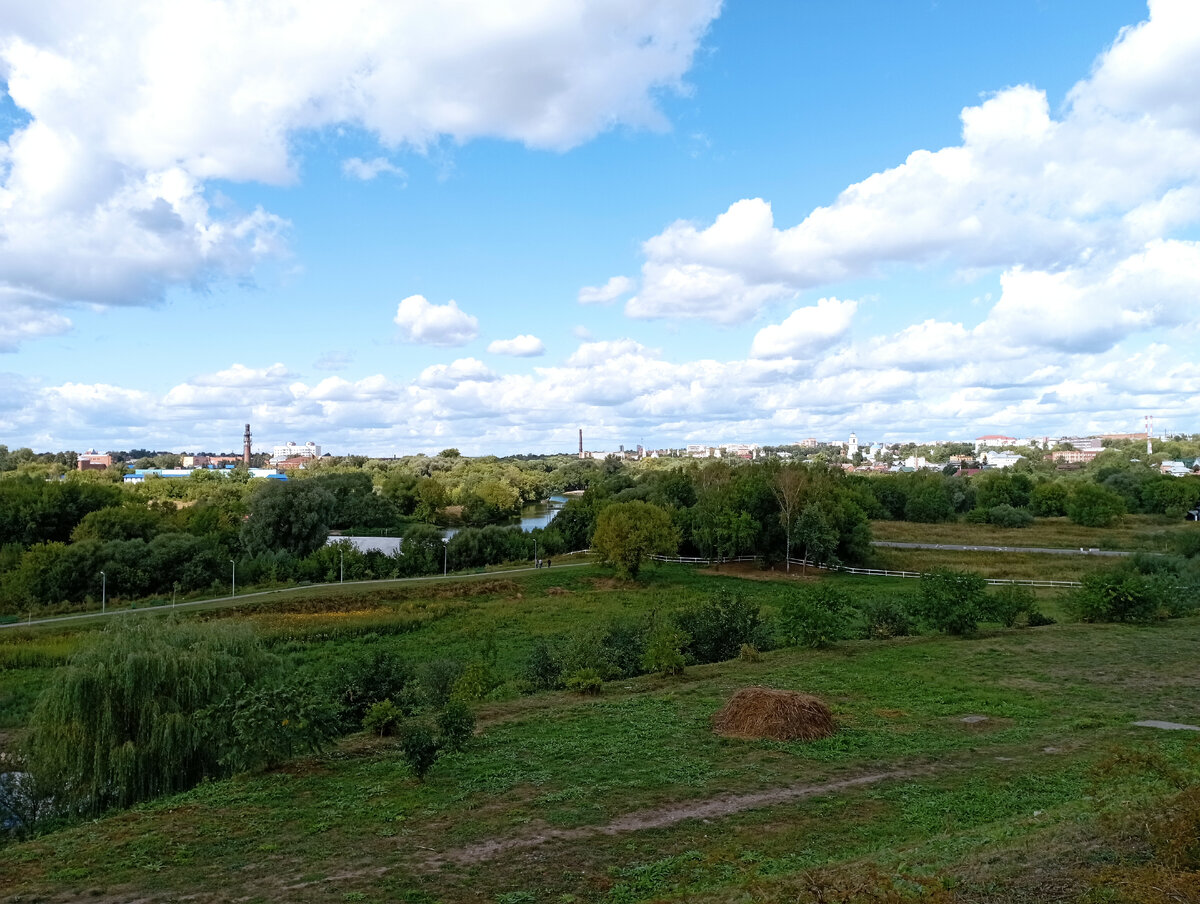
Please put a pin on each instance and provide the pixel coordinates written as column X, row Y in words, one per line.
column 536, row 514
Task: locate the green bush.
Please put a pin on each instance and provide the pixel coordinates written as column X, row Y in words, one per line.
column 267, row 724
column 664, row 648
column 1121, row 595
column 886, row 618
column 382, row 718
column 718, row 627
column 588, row 682
column 367, row 678
column 543, row 667
column 1005, row 604
column 1005, row 515
column 456, row 726
column 437, row 679
column 952, row 601
column 816, row 616
column 418, row 745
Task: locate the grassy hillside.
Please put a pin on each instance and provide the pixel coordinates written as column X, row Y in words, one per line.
column 631, row 797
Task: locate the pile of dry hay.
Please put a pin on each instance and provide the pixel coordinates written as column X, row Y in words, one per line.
column 763, row 712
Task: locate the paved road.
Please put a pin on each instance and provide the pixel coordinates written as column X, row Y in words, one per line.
column 1050, row 550
column 223, row 601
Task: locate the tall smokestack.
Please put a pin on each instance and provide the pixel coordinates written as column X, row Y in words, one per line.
column 246, row 448
column 581, row 442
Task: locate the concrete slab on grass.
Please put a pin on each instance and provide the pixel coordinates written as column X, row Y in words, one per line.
column 1170, row 726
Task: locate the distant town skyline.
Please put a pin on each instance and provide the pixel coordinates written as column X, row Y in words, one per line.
column 402, row 227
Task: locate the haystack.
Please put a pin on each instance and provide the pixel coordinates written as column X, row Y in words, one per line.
column 763, row 712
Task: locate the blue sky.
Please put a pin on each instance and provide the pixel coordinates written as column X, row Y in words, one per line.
column 904, row 219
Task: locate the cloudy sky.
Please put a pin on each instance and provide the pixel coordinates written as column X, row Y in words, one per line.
column 391, row 227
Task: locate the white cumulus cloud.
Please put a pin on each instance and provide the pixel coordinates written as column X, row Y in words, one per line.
column 1024, row 189
column 807, row 331
column 130, row 110
column 431, row 324
column 366, row 170
column 523, row 346
column 610, row 291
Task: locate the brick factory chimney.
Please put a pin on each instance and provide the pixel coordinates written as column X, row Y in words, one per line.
column 246, row 448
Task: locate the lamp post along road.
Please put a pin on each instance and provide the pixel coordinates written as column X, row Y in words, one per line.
column 341, row 564
column 445, row 555
column 233, row 578
column 103, row 592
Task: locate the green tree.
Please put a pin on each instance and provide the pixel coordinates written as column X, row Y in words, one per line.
column 125, row 719
column 816, row 536
column 627, row 533
column 1095, row 506
column 789, row 488
column 1049, row 499
column 288, row 515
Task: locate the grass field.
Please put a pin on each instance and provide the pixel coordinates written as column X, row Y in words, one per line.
column 1135, row 532
column 630, row 797
column 1021, row 566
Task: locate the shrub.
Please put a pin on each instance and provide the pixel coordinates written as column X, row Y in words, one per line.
column 382, row 718
column 588, row 682
column 718, row 627
column 976, row 516
column 749, row 653
column 265, row 725
column 368, row 678
column 1005, row 515
column 456, row 726
column 544, row 668
column 952, row 601
column 23, row 804
column 1120, row 595
column 886, row 618
column 664, row 648
column 1006, row 603
column 1186, row 543
column 816, row 616
column 624, row 644
column 476, row 682
column 1037, row 619
column 418, row 746
column 437, row 679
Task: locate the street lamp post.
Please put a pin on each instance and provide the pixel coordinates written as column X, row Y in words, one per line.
column 233, row 578
column 341, row 564
column 535, row 558
column 103, row 592
column 445, row 555
column 174, row 592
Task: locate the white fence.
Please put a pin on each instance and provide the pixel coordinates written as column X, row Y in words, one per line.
column 846, row 569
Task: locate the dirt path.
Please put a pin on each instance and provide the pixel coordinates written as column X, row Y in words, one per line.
column 713, row 807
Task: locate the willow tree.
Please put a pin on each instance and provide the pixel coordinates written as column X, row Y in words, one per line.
column 129, row 717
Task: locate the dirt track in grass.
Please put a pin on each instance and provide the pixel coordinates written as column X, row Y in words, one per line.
column 663, row 817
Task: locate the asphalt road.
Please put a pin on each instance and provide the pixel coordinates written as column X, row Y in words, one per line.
column 1049, row 550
